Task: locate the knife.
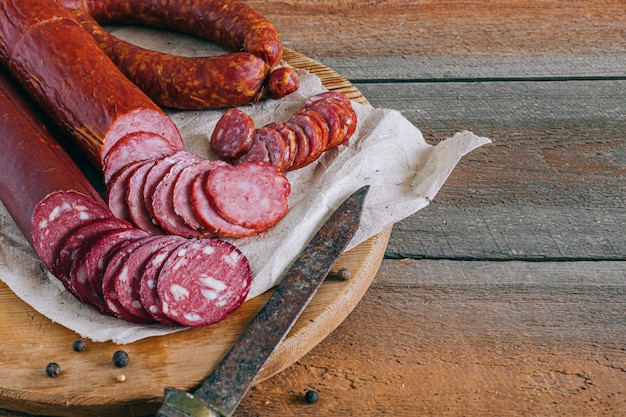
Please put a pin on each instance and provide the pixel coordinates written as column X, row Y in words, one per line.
column 221, row 392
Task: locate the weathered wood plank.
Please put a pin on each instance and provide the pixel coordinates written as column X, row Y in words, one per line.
column 531, row 233
column 459, row 68
column 551, row 186
column 447, row 28
column 468, row 338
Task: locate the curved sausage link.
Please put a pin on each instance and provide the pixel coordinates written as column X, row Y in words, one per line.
column 230, row 23
column 183, row 82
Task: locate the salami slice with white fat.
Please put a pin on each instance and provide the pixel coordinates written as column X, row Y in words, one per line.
column 182, row 192
column 116, row 191
column 202, row 282
column 209, row 218
column 277, row 147
column 79, row 239
column 252, row 194
column 137, row 210
column 136, row 146
column 158, row 171
column 88, row 268
column 290, row 139
column 127, row 280
column 148, row 283
column 163, row 204
column 56, row 216
column 111, row 271
column 233, row 134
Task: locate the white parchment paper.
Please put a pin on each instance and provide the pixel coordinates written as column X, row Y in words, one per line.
column 387, row 152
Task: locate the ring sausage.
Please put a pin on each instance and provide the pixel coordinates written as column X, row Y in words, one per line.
column 188, row 83
column 230, row 23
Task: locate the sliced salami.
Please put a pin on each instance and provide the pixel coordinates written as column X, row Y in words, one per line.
column 127, row 280
column 313, row 132
column 182, row 196
column 321, row 122
column 163, row 204
column 290, row 138
column 257, row 152
column 302, row 152
column 116, row 191
column 278, row 150
column 202, row 282
column 82, row 237
column 233, row 134
column 111, row 271
column 89, row 265
column 148, row 284
column 137, row 210
column 337, row 130
column 136, row 146
column 209, row 218
column 158, row 171
column 332, row 95
column 252, row 194
column 56, row 216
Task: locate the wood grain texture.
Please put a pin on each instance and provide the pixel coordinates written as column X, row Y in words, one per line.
column 506, row 295
column 454, row 338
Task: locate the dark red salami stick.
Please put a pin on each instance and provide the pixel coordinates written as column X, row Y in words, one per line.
column 34, row 165
column 187, row 82
column 73, row 81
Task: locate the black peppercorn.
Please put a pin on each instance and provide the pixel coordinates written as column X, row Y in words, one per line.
column 311, row 397
column 78, row 346
column 120, row 359
column 53, row 369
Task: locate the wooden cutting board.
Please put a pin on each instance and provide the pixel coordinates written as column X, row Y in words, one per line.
column 89, row 384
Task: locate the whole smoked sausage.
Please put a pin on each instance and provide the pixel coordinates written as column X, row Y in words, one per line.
column 189, row 83
column 83, row 91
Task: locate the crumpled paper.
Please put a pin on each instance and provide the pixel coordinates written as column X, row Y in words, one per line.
column 386, row 151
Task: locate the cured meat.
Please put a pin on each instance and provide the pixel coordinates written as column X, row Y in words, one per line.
column 290, row 139
column 82, row 237
column 232, row 24
column 282, row 81
column 278, row 151
column 163, row 204
column 116, row 191
column 33, row 164
column 135, row 202
column 127, row 280
column 137, row 146
column 182, row 192
column 325, row 121
column 252, row 194
column 86, row 273
column 158, row 171
column 302, row 144
column 208, row 217
column 185, row 82
column 56, row 216
column 232, row 135
column 148, row 293
column 202, row 281
column 86, row 95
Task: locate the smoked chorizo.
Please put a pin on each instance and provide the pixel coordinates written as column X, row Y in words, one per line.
column 188, row 83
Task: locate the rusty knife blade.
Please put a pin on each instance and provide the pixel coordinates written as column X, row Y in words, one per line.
column 220, row 394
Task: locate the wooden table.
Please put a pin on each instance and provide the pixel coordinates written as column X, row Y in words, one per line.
column 507, row 295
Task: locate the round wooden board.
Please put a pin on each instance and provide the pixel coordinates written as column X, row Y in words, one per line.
column 88, row 384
